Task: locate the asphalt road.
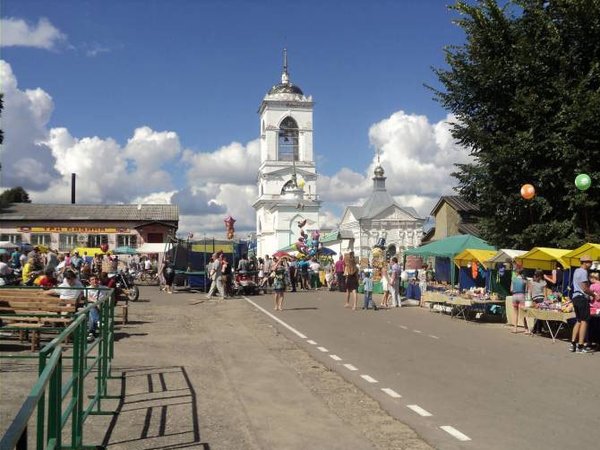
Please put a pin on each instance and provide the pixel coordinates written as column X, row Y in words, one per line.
column 497, row 389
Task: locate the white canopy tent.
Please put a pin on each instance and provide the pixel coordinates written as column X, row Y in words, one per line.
column 504, row 255
column 154, row 248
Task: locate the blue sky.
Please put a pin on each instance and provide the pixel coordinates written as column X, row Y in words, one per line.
column 165, row 94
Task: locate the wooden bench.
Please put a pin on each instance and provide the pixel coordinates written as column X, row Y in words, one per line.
column 32, row 312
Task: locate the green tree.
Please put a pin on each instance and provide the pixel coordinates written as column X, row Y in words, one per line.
column 14, row 195
column 525, row 90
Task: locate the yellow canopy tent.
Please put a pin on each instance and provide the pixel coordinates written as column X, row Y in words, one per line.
column 543, row 258
column 589, row 249
column 469, row 255
column 90, row 251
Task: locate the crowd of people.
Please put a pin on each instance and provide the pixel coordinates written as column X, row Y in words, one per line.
column 290, row 274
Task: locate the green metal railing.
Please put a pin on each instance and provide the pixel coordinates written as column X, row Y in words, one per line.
column 50, row 392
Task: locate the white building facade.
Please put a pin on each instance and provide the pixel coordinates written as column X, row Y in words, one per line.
column 287, row 176
column 381, row 217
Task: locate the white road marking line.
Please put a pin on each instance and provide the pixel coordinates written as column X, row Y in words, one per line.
column 277, row 319
column 420, row 411
column 369, row 379
column 311, row 342
column 417, row 331
column 335, row 357
column 432, row 336
column 454, row 432
column 403, row 327
column 350, row 367
column 323, row 349
column 391, row 392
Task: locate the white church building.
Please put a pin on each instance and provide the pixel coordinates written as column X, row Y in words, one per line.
column 380, row 217
column 287, row 176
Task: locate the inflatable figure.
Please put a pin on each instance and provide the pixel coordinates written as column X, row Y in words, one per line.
column 229, row 221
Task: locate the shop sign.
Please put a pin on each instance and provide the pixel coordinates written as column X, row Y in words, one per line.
column 87, row 230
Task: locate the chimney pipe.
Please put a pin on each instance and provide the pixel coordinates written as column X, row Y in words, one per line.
column 73, row 188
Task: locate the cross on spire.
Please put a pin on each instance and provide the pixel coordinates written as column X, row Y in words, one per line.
column 285, row 78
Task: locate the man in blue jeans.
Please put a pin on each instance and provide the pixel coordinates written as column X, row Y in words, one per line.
column 95, row 292
column 581, row 305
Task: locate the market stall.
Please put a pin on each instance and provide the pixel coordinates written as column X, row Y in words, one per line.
column 473, row 272
column 546, row 259
column 444, row 252
column 500, row 266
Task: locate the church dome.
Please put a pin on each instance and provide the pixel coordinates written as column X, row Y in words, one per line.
column 285, row 88
column 379, row 172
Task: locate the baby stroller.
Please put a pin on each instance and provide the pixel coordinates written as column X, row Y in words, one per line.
column 244, row 284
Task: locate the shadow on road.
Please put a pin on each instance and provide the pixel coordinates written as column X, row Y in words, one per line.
column 158, row 410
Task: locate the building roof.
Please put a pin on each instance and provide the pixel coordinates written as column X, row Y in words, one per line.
column 379, row 200
column 56, row 212
column 285, row 88
column 457, row 203
column 469, row 228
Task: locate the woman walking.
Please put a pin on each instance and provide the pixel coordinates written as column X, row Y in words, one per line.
column 517, row 288
column 351, row 278
column 279, row 284
column 385, row 283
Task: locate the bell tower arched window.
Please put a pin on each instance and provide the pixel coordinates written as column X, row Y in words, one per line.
column 287, row 145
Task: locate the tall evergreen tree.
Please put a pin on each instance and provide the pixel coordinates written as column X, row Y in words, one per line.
column 525, row 89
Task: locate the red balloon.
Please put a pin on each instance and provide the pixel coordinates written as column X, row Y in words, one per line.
column 527, row 191
column 104, row 247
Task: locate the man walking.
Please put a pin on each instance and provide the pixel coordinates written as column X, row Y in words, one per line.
column 395, row 283
column 215, row 272
column 581, row 305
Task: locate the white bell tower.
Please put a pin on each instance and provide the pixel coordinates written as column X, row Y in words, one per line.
column 287, row 176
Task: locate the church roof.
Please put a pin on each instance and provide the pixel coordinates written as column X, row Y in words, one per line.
column 285, row 88
column 379, row 200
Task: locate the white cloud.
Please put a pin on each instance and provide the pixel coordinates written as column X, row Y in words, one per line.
column 234, row 163
column 26, row 160
column 17, row 32
column 417, row 156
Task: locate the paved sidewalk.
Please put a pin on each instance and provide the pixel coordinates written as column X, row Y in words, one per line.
column 218, row 375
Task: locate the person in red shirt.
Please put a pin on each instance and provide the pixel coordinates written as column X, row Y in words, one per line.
column 47, row 280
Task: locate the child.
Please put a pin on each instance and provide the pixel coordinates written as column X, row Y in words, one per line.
column 595, row 288
column 368, row 285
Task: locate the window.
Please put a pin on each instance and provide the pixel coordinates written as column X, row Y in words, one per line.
column 288, row 140
column 14, row 238
column 67, row 242
column 41, row 239
column 96, row 240
column 127, row 240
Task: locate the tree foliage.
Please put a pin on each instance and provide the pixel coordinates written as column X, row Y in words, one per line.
column 14, row 195
column 525, row 90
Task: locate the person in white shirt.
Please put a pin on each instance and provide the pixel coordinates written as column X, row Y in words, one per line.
column 70, row 289
column 314, row 267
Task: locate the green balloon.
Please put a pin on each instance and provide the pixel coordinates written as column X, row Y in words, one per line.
column 583, row 182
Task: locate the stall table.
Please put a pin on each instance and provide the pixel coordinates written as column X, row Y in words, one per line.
column 551, row 318
column 436, row 298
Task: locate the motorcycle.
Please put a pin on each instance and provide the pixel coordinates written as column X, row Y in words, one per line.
column 12, row 279
column 125, row 285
